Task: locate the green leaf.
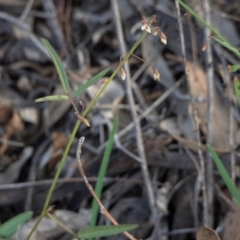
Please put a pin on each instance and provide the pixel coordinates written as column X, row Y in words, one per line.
column 236, row 84
column 11, row 226
column 225, row 176
column 228, row 46
column 52, row 98
column 102, row 173
column 90, row 82
column 58, row 64
column 104, row 231
column 235, row 67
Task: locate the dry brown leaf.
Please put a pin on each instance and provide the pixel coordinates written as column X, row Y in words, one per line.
column 59, row 141
column 231, row 229
column 220, row 125
column 205, row 233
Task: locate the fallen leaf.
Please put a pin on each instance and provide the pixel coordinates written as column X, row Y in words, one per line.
column 205, row 233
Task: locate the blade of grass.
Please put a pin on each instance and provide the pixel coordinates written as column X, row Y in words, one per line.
column 225, row 176
column 58, row 64
column 52, row 98
column 90, row 82
column 105, row 231
column 228, row 46
column 102, row 173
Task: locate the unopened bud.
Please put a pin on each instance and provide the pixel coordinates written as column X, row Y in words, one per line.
column 143, row 20
column 204, row 47
column 153, row 19
column 163, row 38
column 82, row 119
column 155, row 31
column 122, row 73
column 156, row 74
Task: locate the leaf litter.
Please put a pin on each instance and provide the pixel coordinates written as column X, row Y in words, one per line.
column 33, row 136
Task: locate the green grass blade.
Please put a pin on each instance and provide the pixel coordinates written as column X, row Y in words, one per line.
column 105, row 231
column 102, row 173
column 12, row 225
column 58, row 64
column 225, row 176
column 52, row 98
column 228, row 46
column 236, row 84
column 90, row 82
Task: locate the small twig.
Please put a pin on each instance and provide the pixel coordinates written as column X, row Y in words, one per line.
column 103, row 210
column 200, row 153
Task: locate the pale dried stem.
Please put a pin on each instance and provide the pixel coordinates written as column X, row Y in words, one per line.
column 210, row 83
column 103, row 210
column 139, row 139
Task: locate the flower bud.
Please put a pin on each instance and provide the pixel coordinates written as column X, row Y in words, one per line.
column 163, row 38
column 122, row 73
column 156, row 74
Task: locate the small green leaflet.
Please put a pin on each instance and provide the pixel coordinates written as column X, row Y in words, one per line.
column 90, row 82
column 58, row 64
column 11, row 226
column 234, row 68
column 52, row 98
column 236, row 85
column 104, row 231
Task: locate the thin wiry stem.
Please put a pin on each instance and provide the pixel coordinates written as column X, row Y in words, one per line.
column 210, row 83
column 139, row 139
column 103, row 210
column 200, row 153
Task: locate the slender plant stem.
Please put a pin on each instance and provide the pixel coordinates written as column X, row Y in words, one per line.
column 89, row 107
